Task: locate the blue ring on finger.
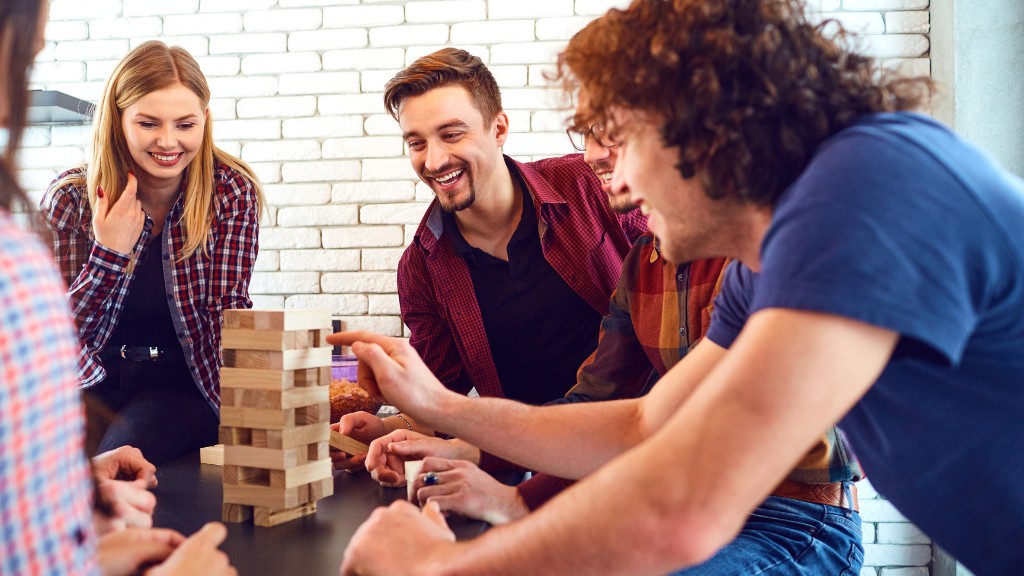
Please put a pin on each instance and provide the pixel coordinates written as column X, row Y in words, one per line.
column 430, row 479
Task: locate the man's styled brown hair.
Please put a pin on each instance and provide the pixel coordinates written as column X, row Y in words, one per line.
column 746, row 89
column 445, row 67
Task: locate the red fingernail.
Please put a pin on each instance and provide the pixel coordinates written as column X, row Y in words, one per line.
column 99, row 192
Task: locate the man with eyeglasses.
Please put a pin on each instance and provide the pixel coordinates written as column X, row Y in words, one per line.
column 508, row 275
column 658, row 312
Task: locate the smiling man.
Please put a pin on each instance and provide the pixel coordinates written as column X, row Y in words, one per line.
column 509, row 273
column 880, row 285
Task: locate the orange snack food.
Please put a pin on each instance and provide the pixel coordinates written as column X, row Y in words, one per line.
column 347, row 397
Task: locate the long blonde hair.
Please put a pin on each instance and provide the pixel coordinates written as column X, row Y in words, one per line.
column 150, row 67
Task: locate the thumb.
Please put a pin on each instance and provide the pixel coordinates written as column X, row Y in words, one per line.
column 374, row 365
column 211, row 535
column 432, row 512
column 409, row 448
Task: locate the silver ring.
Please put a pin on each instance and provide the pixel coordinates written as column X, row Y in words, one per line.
column 430, row 479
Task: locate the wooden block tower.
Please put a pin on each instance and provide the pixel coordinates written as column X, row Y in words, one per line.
column 275, row 414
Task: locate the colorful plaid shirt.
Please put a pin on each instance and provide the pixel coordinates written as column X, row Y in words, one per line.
column 658, row 312
column 45, row 486
column 200, row 286
column 582, row 239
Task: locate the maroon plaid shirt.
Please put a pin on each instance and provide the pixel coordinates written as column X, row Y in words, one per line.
column 201, row 286
column 582, row 239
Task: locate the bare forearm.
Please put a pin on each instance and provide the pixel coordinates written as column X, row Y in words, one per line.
column 568, row 441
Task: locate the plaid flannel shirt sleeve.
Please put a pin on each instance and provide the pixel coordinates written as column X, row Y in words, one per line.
column 237, row 241
column 429, row 333
column 90, row 270
column 46, row 522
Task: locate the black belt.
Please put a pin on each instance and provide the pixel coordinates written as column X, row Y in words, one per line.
column 150, row 353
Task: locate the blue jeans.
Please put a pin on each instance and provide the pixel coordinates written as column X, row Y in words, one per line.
column 791, row 537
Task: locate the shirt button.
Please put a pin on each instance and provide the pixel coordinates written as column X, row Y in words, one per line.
column 682, row 331
column 679, row 277
column 170, row 296
column 181, row 334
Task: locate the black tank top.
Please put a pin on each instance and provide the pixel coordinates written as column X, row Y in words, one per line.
column 146, row 317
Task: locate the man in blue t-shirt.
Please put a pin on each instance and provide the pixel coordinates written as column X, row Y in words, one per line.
column 880, row 284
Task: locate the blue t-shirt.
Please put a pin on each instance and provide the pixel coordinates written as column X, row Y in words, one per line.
column 898, row 223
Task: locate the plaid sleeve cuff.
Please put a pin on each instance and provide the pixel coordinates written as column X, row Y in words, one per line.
column 107, row 259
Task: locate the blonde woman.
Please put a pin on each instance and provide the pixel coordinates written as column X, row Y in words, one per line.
column 155, row 236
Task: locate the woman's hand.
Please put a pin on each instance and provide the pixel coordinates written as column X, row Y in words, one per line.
column 118, row 227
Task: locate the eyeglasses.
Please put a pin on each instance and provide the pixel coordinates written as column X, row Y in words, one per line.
column 579, row 139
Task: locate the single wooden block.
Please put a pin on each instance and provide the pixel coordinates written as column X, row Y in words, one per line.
column 275, row 399
column 318, row 451
column 233, row 436
column 298, row 436
column 267, row 496
column 290, row 319
column 299, row 475
column 212, row 455
column 235, row 513
column 259, row 439
column 268, row 517
column 346, row 444
column 315, row 414
column 249, row 339
column 256, row 418
column 238, row 475
column 257, row 379
column 267, row 458
column 320, row 489
column 278, row 360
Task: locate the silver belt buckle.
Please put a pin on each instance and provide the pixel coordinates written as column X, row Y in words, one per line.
column 154, row 353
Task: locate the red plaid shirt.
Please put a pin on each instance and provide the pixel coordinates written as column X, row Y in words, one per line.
column 201, row 286
column 582, row 239
column 45, row 485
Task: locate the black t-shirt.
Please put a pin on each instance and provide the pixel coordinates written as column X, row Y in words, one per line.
column 146, row 317
column 539, row 329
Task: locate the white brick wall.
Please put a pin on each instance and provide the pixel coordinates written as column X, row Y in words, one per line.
column 297, row 88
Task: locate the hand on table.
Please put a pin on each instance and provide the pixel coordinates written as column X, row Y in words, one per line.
column 125, row 552
column 124, row 463
column 198, row 555
column 399, row 539
column 130, row 505
column 463, row 488
column 118, row 227
column 387, row 455
column 361, row 426
column 389, row 368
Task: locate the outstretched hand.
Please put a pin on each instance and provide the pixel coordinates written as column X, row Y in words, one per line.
column 389, row 368
column 117, row 227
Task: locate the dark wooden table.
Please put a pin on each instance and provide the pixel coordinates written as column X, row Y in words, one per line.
column 189, row 495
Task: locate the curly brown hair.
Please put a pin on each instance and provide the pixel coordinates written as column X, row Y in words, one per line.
column 445, row 67
column 746, row 89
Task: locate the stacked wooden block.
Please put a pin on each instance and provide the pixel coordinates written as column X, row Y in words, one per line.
column 275, row 414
